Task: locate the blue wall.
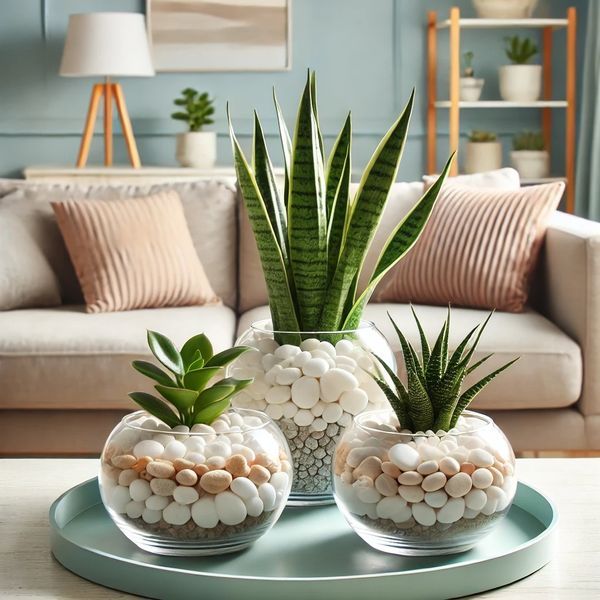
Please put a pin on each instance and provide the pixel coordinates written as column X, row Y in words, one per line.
column 368, row 55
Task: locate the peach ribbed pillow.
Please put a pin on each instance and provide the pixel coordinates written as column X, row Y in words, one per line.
column 477, row 250
column 133, row 253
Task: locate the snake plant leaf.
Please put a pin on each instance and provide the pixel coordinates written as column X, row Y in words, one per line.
column 425, row 350
column 282, row 304
column 181, row 398
column 337, row 223
column 199, row 378
column 207, row 414
column 313, row 95
column 286, row 146
column 395, row 402
column 336, row 164
column 400, row 241
column 366, row 212
column 224, row 358
column 197, row 344
column 155, row 406
column 263, row 171
column 307, row 220
column 467, row 397
column 151, row 370
column 165, row 352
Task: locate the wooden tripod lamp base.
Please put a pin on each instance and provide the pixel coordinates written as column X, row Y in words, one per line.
column 108, row 91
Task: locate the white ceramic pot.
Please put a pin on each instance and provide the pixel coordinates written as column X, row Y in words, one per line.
column 471, row 88
column 197, row 149
column 504, row 9
column 531, row 164
column 483, row 156
column 520, row 83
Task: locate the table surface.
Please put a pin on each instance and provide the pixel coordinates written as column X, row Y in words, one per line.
column 28, row 487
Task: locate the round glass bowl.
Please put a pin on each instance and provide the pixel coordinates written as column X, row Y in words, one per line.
column 209, row 490
column 424, row 493
column 311, row 384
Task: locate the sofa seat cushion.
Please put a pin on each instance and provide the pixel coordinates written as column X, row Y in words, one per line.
column 66, row 358
column 548, row 374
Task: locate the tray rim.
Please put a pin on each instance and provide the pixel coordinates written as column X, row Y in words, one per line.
column 548, row 531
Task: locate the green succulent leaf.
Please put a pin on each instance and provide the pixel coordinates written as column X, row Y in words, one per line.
column 478, row 364
column 152, row 371
column 165, row 352
column 208, row 414
column 155, row 406
column 238, row 384
column 214, row 394
column 181, row 398
column 425, row 350
column 224, row 358
column 199, row 378
column 396, row 403
column 195, row 348
column 197, row 363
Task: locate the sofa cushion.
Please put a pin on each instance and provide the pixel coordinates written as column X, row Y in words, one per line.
column 210, row 209
column 548, row 374
column 66, row 358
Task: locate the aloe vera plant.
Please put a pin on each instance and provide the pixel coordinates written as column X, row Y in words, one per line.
column 313, row 236
column 187, row 399
column 432, row 397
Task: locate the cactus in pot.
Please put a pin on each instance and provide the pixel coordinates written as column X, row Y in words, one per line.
column 520, row 81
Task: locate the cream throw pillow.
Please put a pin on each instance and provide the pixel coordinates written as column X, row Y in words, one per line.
column 134, row 253
column 477, row 250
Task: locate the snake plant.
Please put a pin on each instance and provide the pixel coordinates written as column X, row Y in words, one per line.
column 187, row 399
column 432, row 398
column 312, row 236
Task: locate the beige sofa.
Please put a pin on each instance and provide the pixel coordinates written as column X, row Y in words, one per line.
column 65, row 374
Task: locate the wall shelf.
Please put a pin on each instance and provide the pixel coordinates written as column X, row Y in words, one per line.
column 504, row 104
column 506, row 23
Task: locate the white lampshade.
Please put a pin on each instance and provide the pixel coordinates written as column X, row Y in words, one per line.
column 106, row 44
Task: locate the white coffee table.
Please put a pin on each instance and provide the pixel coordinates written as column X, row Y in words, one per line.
column 28, row 487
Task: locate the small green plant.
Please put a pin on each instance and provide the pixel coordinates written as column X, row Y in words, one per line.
column 432, row 398
column 197, row 109
column 468, row 64
column 479, row 136
column 520, row 51
column 529, row 140
column 187, row 399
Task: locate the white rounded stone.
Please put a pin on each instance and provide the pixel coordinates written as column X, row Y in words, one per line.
column 204, row 512
column 315, row 367
column 288, row 375
column 230, row 508
column 436, row 499
column 268, row 361
column 344, row 348
column 429, row 451
column 499, row 496
column 271, row 374
column 423, row 514
column 345, row 420
column 482, row 478
column 335, row 382
column 275, row 411
column 195, row 457
column 254, row 506
column 119, row 498
column 470, row 513
column 202, row 428
column 434, row 482
column 309, row 344
column 151, row 516
column 244, row 488
column 404, row 457
column 410, row 478
column 175, row 449
column 303, row 418
column 289, row 409
column 185, row 494
column 319, row 424
column 354, row 401
column 286, row 351
column 301, row 359
column 258, row 389
column 305, row 392
column 458, row 485
column 452, row 511
column 140, row 490
column 393, row 507
column 475, row 499
column 428, row 467
column 244, row 450
column 318, row 408
column 181, row 432
column 150, row 448
column 134, row 509
column 221, row 448
column 332, row 413
column 449, row 466
column 163, row 438
column 411, row 493
column 268, row 495
column 490, row 507
column 157, row 502
column 279, row 481
column 480, row 458
column 278, row 394
column 177, row 514
column 267, row 345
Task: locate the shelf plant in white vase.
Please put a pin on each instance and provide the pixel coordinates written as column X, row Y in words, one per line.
column 520, row 81
column 529, row 155
column 188, row 475
column 483, row 152
column 312, row 361
column 195, row 148
column 426, row 476
column 470, row 86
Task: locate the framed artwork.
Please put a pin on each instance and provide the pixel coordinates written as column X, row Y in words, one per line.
column 220, row 35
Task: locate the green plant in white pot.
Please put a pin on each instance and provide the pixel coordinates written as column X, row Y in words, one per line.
column 483, row 152
column 470, row 86
column 520, row 81
column 312, row 360
column 195, row 148
column 529, row 155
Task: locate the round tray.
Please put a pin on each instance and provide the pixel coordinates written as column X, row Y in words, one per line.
column 311, row 552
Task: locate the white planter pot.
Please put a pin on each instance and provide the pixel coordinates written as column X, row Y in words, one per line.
column 520, row 83
column 483, row 156
column 471, row 88
column 531, row 164
column 504, row 9
column 197, row 149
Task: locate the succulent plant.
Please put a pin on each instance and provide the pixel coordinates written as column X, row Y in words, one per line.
column 432, row 398
column 468, row 64
column 529, row 140
column 478, row 136
column 187, row 398
column 313, row 237
column 197, row 109
column 520, row 51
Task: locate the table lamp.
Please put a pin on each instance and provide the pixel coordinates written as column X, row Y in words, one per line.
column 107, row 44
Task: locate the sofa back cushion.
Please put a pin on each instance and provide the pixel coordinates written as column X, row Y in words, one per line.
column 209, row 207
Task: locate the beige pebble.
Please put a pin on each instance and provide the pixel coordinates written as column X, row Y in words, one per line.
column 127, row 476
column 215, row 462
column 482, row 478
column 217, row 481
column 370, row 466
column 433, row 482
column 237, row 465
column 389, row 468
column 508, row 470
column 124, row 461
column 410, row 478
column 200, row 469
column 467, row 468
column 346, row 477
column 286, row 466
column 357, row 455
column 181, row 463
column 163, row 487
column 458, row 485
column 162, row 470
column 259, row 474
column 449, row 466
column 186, row 477
column 480, row 458
column 145, row 475
column 428, row 467
column 411, row 493
column 267, row 461
column 386, row 485
column 498, row 477
column 142, row 463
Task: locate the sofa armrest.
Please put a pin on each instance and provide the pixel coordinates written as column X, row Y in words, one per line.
column 570, row 293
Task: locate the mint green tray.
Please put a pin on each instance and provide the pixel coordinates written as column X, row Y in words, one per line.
column 310, row 553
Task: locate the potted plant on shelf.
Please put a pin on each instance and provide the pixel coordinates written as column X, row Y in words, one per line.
column 195, row 148
column 426, row 476
column 311, row 362
column 483, row 152
column 504, row 9
column 470, row 86
column 520, row 81
column 529, row 155
column 187, row 475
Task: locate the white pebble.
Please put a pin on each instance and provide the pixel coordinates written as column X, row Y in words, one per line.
column 427, row 467
column 182, row 431
column 305, row 392
column 267, row 345
column 345, row 420
column 319, row 424
column 354, row 401
column 411, row 493
column 470, row 513
column 254, row 506
column 286, row 351
column 303, row 418
column 404, row 457
column 271, row 374
column 423, row 514
column 449, row 466
column 335, row 382
column 452, row 511
column 202, row 428
column 119, row 498
column 157, row 502
column 309, row 344
column 499, row 496
column 275, row 411
column 230, row 508
column 278, row 394
column 332, row 413
column 204, row 512
column 315, row 367
column 458, row 485
column 344, row 347
column 434, row 482
column 151, row 516
column 195, row 457
column 288, row 375
column 140, row 490
column 244, row 488
column 248, row 453
column 480, row 458
column 428, row 451
column 436, row 499
column 150, row 448
column 482, row 478
column 163, row 438
column 475, row 499
column 318, row 408
column 177, row 514
column 134, row 509
column 301, row 359
column 185, row 494
column 279, row 481
column 289, row 410
column 268, row 495
column 217, row 449
column 175, row 449
column 490, row 507
column 268, row 361
column 393, row 507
